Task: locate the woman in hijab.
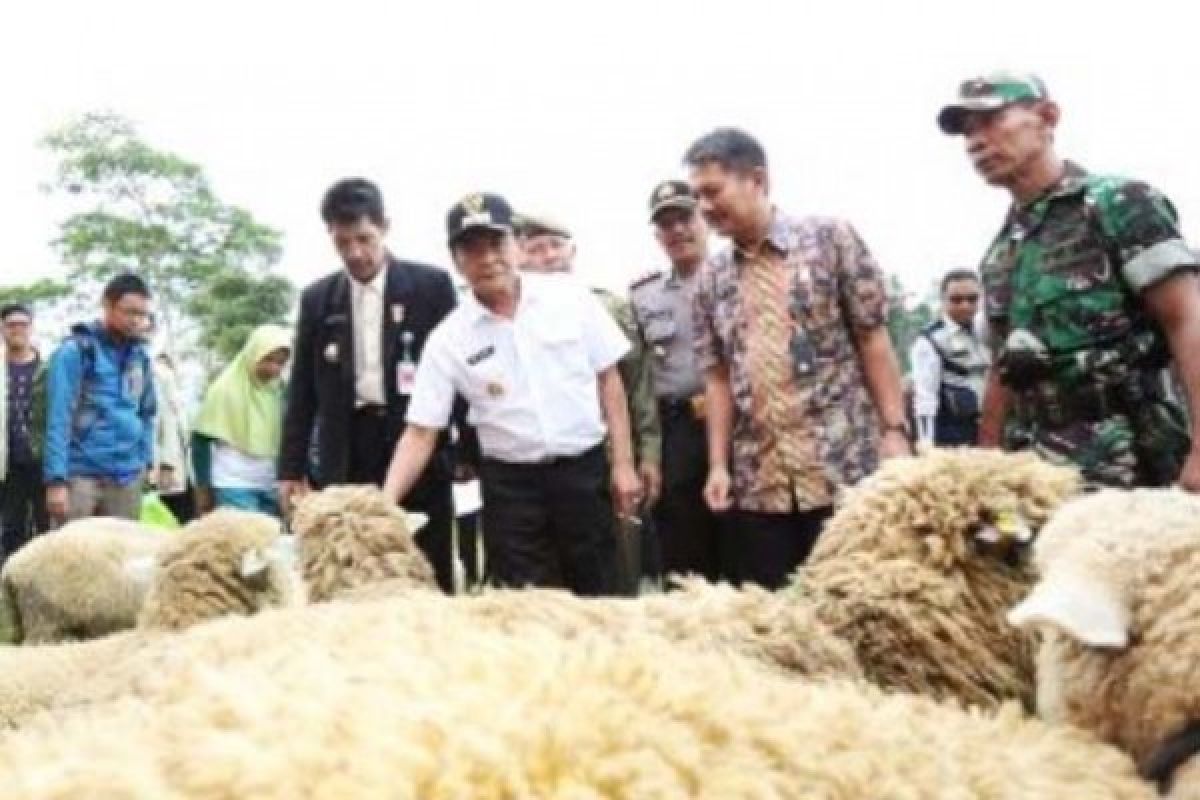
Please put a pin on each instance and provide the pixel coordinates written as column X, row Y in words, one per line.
column 235, row 441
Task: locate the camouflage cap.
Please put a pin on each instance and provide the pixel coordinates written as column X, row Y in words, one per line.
column 671, row 194
column 529, row 225
column 989, row 93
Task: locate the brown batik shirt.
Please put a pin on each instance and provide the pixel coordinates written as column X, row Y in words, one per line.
column 800, row 434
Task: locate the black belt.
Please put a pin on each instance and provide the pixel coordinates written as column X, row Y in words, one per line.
column 371, row 410
column 672, row 407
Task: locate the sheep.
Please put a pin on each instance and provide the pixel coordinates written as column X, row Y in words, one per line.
column 1118, row 610
column 920, row 565
column 351, row 536
column 343, row 700
column 78, row 582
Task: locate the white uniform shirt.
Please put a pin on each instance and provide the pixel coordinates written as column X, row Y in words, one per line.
column 530, row 381
column 927, row 371
column 367, row 308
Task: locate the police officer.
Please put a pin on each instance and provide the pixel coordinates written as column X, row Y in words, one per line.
column 1090, row 291
column 949, row 364
column 535, row 357
column 690, row 534
column 549, row 247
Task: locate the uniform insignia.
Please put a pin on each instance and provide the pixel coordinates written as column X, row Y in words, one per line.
column 645, row 279
column 660, row 351
column 665, row 191
column 486, row 352
column 473, row 203
column 331, row 352
column 397, row 313
column 495, row 389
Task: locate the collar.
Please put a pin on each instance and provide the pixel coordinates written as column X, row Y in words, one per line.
column 476, row 312
column 376, row 283
column 778, row 237
column 1072, row 181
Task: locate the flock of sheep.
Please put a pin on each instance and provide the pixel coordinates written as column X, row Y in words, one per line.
column 969, row 626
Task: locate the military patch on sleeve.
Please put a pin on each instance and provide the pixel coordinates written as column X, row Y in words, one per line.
column 649, row 277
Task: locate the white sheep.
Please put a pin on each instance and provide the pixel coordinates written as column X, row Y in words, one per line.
column 345, row 700
column 1118, row 610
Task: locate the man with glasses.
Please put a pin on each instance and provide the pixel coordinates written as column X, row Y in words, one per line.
column 1091, row 292
column 100, row 408
column 949, row 364
column 24, row 509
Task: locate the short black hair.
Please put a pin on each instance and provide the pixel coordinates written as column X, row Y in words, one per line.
column 960, row 274
column 732, row 148
column 351, row 199
column 15, row 308
column 123, row 284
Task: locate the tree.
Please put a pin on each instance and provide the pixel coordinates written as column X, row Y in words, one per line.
column 234, row 304
column 34, row 294
column 906, row 317
column 154, row 213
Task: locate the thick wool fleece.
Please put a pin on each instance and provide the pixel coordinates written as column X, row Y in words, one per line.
column 368, row 708
column 351, row 536
column 901, row 573
column 762, row 625
column 1118, row 607
column 221, row 563
column 78, row 582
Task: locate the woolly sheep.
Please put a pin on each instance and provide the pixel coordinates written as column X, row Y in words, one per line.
column 920, row 565
column 345, row 702
column 1118, row 610
column 351, row 536
column 78, row 582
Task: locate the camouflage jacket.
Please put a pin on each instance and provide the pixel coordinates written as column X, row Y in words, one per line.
column 1070, row 268
column 636, row 375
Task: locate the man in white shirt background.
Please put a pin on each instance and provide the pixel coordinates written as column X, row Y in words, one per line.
column 536, row 357
column 949, row 366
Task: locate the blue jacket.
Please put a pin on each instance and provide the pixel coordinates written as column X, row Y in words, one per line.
column 99, row 416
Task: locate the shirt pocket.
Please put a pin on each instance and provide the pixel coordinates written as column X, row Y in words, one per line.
column 565, row 350
column 1078, row 299
column 660, row 326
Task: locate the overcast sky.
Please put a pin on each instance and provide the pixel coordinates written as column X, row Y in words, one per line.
column 577, row 109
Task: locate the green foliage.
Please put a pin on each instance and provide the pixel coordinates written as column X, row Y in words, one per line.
column 905, row 319
column 234, row 304
column 154, row 213
column 38, row 293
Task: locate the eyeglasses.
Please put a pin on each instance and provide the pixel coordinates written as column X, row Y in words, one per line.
column 133, row 313
column 963, row 298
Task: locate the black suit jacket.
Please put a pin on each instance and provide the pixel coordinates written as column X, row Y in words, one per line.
column 321, row 391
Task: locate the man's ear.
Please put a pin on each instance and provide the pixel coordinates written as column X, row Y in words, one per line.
column 1050, row 112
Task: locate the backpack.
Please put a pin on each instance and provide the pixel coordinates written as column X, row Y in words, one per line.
column 38, row 402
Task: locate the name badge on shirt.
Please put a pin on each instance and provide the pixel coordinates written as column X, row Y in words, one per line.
column 397, row 313
column 475, row 358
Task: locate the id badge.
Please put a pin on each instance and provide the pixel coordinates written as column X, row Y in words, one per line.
column 803, row 358
column 406, row 377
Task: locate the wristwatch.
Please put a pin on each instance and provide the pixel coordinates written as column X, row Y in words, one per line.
column 899, row 427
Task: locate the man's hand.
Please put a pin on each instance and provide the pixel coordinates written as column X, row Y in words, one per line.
column 718, row 489
column 651, row 477
column 165, row 479
column 290, row 493
column 1189, row 476
column 56, row 502
column 626, row 489
column 203, row 497
column 894, row 444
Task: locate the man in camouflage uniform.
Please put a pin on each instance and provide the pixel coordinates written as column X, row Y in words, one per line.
column 1090, row 291
column 548, row 247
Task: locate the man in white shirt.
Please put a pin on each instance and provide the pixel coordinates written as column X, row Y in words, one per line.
column 949, row 366
column 536, row 359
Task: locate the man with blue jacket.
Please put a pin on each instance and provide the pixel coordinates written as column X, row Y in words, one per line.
column 100, row 409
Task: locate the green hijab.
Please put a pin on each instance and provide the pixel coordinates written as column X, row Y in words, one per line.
column 240, row 410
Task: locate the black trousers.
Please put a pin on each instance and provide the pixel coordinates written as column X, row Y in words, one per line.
column 23, row 508
column 369, row 460
column 770, row 546
column 468, row 546
column 550, row 524
column 692, row 539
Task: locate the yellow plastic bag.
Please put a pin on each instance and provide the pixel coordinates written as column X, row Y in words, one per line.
column 154, row 512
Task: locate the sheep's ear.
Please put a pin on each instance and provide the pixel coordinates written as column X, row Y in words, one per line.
column 140, row 569
column 254, row 564
column 1083, row 609
column 416, row 520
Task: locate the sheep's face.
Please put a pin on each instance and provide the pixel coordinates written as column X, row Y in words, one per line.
column 952, row 509
column 1117, row 608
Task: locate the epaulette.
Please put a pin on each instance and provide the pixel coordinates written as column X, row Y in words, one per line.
column 645, row 279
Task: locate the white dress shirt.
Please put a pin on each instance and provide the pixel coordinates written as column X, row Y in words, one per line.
column 367, row 304
column 530, row 381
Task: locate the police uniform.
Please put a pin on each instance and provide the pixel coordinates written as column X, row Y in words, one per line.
column 949, row 367
column 531, row 386
column 690, row 535
column 1073, row 343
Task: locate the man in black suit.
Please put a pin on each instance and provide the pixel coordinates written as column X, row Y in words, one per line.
column 360, row 333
